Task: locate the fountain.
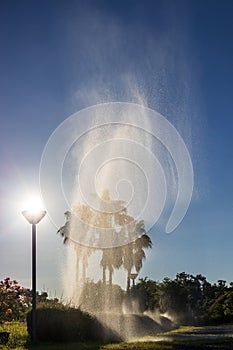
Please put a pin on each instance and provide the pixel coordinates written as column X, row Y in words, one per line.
column 115, row 308
column 124, row 169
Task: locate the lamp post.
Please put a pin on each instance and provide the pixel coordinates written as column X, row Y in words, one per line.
column 33, row 218
column 133, row 276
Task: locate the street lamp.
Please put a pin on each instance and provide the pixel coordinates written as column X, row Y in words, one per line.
column 133, row 276
column 33, row 217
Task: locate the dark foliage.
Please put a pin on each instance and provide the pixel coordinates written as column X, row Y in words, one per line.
column 68, row 325
column 13, row 300
column 4, row 337
column 98, row 297
column 188, row 299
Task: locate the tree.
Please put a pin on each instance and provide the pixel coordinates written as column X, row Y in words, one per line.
column 130, row 255
column 128, row 261
column 82, row 252
column 134, row 253
column 105, row 263
column 13, row 300
column 141, row 243
column 147, row 291
column 228, row 306
column 119, row 229
column 173, row 297
column 101, row 297
column 111, row 259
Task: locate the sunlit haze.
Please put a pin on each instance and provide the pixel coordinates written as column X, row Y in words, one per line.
column 33, row 205
column 61, row 57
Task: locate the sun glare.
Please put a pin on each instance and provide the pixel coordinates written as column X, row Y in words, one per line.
column 33, row 205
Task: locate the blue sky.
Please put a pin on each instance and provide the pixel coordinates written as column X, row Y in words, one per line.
column 58, row 57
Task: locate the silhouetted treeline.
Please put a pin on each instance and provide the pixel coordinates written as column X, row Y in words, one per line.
column 187, row 299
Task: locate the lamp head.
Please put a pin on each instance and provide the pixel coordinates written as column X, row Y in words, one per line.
column 33, row 217
column 34, row 212
column 133, row 276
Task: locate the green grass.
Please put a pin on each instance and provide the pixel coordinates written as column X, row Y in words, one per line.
column 18, row 335
column 139, row 346
column 182, row 330
column 19, row 340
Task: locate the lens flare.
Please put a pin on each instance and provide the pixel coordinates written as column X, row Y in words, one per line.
column 33, row 204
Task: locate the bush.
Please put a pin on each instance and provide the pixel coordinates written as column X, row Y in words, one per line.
column 68, row 325
column 13, row 300
column 98, row 297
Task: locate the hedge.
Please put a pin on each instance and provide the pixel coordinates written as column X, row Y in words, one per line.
column 69, row 325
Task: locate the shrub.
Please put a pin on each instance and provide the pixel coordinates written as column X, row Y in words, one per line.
column 97, row 297
column 68, row 325
column 13, row 300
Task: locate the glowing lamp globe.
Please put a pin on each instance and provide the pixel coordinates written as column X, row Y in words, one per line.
column 33, row 218
column 34, row 212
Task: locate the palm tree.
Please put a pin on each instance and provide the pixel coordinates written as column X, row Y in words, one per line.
column 111, row 259
column 130, row 255
column 144, row 242
column 128, row 261
column 117, row 261
column 104, row 263
column 82, row 252
column 134, row 253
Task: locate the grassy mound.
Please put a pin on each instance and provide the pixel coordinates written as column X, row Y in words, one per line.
column 69, row 325
column 131, row 326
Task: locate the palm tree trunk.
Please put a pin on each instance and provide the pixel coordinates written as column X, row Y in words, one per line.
column 128, row 281
column 84, row 271
column 104, row 275
column 110, row 276
column 77, row 270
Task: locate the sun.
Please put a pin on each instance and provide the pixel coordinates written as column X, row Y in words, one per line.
column 33, row 204
column 33, row 210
